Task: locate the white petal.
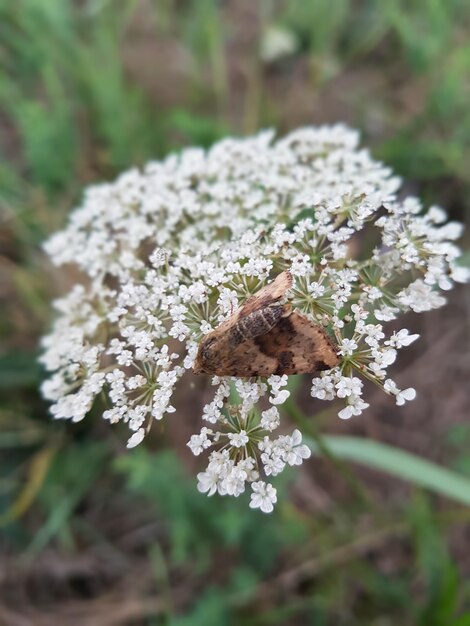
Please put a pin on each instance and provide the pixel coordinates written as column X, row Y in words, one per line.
column 346, row 413
column 136, row 438
column 296, row 437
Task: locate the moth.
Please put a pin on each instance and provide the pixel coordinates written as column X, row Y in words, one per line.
column 265, row 337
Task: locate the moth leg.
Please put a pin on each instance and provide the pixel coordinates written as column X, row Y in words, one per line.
column 258, row 323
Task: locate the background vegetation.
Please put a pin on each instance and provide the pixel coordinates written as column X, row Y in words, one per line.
column 92, row 534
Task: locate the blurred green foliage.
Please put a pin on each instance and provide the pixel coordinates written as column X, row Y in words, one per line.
column 90, row 87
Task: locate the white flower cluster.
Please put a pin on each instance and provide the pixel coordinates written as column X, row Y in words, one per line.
column 171, row 251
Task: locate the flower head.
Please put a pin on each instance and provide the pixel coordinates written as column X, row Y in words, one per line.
column 173, row 250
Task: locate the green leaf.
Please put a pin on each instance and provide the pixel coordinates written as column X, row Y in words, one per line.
column 211, row 609
column 18, row 370
column 37, row 473
column 400, row 464
column 435, row 564
column 72, row 476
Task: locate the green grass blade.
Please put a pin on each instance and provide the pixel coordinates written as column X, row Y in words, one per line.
column 400, row 464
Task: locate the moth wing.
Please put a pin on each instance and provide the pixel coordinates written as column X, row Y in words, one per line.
column 294, row 346
column 246, row 360
column 267, row 295
column 298, row 346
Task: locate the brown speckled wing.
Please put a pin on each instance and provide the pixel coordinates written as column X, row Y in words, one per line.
column 267, row 296
column 299, row 346
column 246, row 360
column 294, row 346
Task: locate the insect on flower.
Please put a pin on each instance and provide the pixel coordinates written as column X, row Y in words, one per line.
column 264, row 337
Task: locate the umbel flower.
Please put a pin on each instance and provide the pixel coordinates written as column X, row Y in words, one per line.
column 170, row 252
